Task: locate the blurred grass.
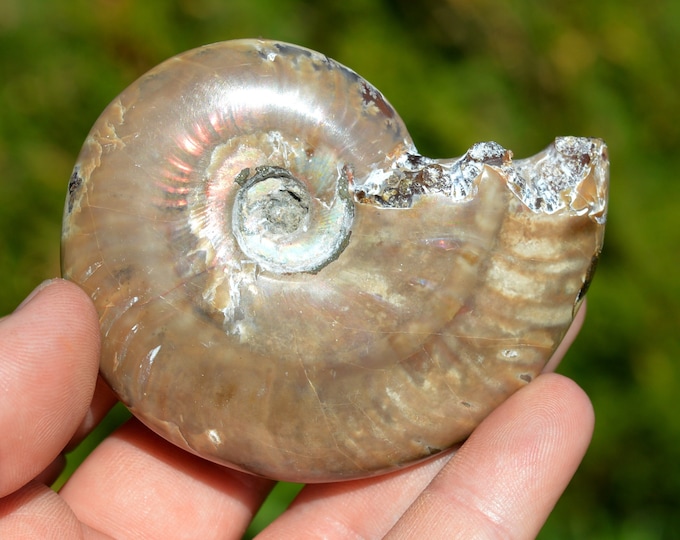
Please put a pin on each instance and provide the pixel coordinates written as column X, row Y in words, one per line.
column 458, row 72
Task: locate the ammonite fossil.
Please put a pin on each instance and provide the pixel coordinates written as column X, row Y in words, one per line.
column 286, row 287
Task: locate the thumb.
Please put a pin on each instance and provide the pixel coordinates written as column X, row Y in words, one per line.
column 49, row 351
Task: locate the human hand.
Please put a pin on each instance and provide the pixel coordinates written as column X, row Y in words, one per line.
column 502, row 483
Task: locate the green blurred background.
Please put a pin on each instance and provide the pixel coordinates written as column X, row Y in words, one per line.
column 458, row 72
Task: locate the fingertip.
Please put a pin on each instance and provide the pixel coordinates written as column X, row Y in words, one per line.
column 64, row 294
column 568, row 402
column 507, row 477
column 549, row 421
column 48, row 367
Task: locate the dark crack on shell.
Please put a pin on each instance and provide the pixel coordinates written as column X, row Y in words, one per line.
column 74, row 184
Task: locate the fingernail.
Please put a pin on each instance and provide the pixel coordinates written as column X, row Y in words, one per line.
column 35, row 291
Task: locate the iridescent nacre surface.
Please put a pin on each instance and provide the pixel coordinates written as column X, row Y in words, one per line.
column 286, row 287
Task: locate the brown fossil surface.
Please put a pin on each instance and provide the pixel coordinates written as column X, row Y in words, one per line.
column 287, row 287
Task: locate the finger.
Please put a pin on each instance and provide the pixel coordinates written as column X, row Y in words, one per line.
column 569, row 338
column 35, row 511
column 507, row 477
column 137, row 485
column 49, row 350
column 355, row 509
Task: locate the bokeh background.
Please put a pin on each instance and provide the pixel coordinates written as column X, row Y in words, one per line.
column 518, row 72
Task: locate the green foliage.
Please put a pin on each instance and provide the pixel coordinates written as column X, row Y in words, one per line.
column 459, row 72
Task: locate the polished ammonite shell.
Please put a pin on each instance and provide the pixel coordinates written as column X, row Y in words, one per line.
column 287, row 287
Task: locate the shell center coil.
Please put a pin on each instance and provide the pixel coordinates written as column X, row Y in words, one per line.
column 278, row 224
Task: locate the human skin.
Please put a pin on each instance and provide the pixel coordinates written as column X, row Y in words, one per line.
column 501, row 483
